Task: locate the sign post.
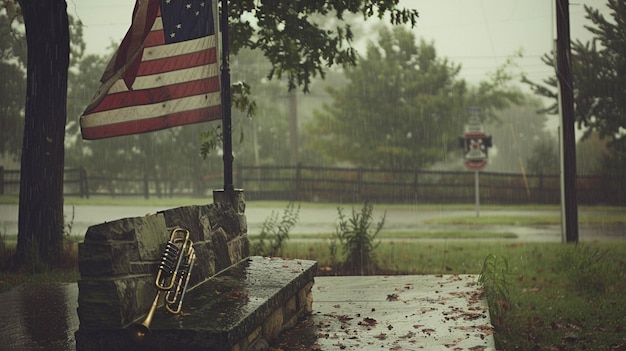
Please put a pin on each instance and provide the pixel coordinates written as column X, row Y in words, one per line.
column 475, row 144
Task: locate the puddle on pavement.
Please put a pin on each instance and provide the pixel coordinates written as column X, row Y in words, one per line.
column 39, row 317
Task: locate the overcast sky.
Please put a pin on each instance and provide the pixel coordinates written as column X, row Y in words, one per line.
column 478, row 34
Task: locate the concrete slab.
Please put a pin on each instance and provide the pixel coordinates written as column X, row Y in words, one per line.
column 368, row 313
column 444, row 312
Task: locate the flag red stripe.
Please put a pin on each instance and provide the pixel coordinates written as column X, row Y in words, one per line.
column 174, row 63
column 154, row 38
column 155, row 95
column 152, row 124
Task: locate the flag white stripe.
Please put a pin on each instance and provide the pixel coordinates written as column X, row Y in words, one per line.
column 160, row 109
column 168, row 78
column 180, row 48
column 157, row 25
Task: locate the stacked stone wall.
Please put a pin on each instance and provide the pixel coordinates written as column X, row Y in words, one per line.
column 118, row 259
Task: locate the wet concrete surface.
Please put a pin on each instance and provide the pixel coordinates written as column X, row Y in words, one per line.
column 374, row 312
column 427, row 312
column 39, row 317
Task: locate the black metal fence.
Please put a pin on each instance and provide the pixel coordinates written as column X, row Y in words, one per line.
column 303, row 183
column 77, row 182
column 335, row 184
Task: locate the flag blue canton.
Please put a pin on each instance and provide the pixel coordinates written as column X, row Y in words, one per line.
column 186, row 19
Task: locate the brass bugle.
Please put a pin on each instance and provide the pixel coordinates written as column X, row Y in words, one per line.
column 172, row 277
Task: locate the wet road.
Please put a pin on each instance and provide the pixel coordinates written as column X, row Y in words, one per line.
column 313, row 220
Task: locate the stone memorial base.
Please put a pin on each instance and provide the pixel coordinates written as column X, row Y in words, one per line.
column 242, row 308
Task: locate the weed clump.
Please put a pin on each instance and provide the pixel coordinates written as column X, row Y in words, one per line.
column 493, row 278
column 275, row 232
column 357, row 239
column 590, row 269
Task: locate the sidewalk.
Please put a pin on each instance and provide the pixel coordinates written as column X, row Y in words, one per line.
column 423, row 312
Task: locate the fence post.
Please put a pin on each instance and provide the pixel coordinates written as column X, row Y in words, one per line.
column 416, row 182
column 298, row 181
column 146, row 189
column 84, row 186
column 359, row 185
column 540, row 190
column 1, row 180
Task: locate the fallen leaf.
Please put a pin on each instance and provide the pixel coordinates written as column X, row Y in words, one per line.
column 381, row 336
column 408, row 335
column 368, row 322
column 393, row 297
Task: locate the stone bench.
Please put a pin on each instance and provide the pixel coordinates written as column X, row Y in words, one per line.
column 242, row 308
column 235, row 302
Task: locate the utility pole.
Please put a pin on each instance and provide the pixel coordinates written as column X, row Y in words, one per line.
column 569, row 202
column 293, row 127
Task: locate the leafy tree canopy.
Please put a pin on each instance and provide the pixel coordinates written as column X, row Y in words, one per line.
column 403, row 107
column 290, row 35
column 598, row 69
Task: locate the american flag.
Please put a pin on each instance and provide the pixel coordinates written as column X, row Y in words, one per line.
column 164, row 74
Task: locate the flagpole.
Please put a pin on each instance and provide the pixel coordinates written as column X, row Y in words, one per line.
column 226, row 104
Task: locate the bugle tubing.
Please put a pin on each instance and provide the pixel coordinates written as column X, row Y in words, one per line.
column 172, row 277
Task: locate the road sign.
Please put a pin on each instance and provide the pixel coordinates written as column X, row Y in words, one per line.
column 475, row 144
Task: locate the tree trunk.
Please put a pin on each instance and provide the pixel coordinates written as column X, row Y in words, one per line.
column 40, row 224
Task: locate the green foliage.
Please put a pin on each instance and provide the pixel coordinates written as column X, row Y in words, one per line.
column 544, row 158
column 275, row 232
column 402, row 108
column 590, row 268
column 299, row 41
column 403, row 119
column 493, row 278
column 211, row 140
column 288, row 34
column 357, row 239
column 598, row 68
column 516, row 133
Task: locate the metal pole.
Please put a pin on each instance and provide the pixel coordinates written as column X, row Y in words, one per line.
column 477, row 193
column 566, row 93
column 226, row 104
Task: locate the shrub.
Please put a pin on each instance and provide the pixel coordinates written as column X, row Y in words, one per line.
column 357, row 239
column 275, row 232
